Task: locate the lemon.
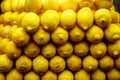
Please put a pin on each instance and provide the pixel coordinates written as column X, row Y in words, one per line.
column 98, row 50
column 41, row 37
column 90, row 63
column 49, row 50
column 50, row 20
column 94, row 34
column 57, row 64
column 65, row 50
column 23, row 64
column 81, row 48
column 40, row 64
column 12, row 51
column 49, row 75
column 82, row 75
column 106, row 63
column 115, row 16
column 114, row 49
column 6, row 17
column 20, row 17
column 14, row 4
column 31, row 76
column 76, row 34
column 2, row 76
column 85, row 18
column 68, row 19
column 104, row 4
column 3, row 42
column 6, row 64
column 20, row 37
column 117, row 63
column 33, row 6
column 113, row 74
column 68, row 4
column 51, row 4
column 59, row 35
column 77, row 62
column 21, row 5
column 86, row 3
column 14, row 75
column 13, row 18
column 6, row 6
column 103, row 17
column 30, row 22
column 66, row 75
column 98, row 75
column 5, row 31
column 31, row 49
column 112, row 32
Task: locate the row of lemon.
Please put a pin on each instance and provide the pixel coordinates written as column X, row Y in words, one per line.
column 38, row 5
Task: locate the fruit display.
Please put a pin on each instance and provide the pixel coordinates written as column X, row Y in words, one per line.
column 59, row 40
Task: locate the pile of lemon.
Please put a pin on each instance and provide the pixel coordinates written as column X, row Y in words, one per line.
column 59, row 40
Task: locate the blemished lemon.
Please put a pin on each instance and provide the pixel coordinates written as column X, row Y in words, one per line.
column 31, row 49
column 33, row 6
column 41, row 37
column 106, row 63
column 40, row 64
column 65, row 50
column 82, row 75
column 68, row 19
column 6, row 64
column 76, row 34
column 2, row 76
column 90, row 63
column 98, row 75
column 31, row 75
column 50, row 20
column 57, row 64
column 103, row 17
column 112, row 32
column 98, row 50
column 14, row 75
column 81, row 48
column 30, row 22
column 94, row 34
column 113, row 74
column 49, row 75
column 49, row 50
column 85, row 18
column 59, row 36
column 114, row 49
column 51, row 4
column 68, row 4
column 77, row 62
column 66, row 75
column 23, row 64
